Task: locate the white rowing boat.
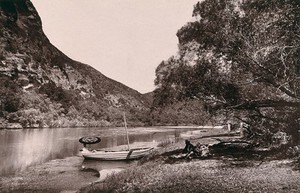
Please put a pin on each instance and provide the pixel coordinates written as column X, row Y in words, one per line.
column 128, row 154
column 115, row 155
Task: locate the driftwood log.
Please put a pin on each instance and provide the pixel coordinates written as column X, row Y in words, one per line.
column 232, row 147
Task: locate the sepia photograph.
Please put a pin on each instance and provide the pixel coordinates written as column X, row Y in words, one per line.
column 140, row 96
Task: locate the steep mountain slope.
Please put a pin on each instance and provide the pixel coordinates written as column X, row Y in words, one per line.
column 42, row 87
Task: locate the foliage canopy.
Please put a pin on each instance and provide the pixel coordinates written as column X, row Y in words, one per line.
column 241, row 56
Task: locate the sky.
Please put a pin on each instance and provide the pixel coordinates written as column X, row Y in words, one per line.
column 123, row 39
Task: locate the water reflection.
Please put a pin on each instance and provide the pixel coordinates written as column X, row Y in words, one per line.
column 22, row 148
column 102, row 165
column 104, row 168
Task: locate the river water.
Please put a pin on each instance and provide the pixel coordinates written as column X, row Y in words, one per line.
column 20, row 149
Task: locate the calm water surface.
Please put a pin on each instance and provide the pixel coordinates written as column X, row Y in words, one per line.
column 20, row 149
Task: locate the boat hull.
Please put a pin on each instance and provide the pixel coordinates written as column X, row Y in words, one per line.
column 115, row 155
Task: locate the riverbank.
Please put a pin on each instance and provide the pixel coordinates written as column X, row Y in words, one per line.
column 159, row 173
column 205, row 176
column 62, row 175
column 67, row 174
column 25, row 164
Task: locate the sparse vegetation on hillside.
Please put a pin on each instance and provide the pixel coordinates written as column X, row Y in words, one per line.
column 41, row 87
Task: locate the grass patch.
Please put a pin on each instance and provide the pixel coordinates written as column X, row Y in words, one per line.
column 204, row 176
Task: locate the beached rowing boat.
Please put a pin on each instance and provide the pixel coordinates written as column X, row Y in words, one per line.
column 128, row 154
column 116, row 155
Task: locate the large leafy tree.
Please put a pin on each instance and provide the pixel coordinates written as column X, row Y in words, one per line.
column 242, row 56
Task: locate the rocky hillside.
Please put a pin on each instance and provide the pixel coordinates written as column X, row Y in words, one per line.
column 42, row 87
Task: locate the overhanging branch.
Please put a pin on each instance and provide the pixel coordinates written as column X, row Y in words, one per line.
column 251, row 105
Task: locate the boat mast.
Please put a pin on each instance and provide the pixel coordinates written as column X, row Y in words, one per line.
column 125, row 123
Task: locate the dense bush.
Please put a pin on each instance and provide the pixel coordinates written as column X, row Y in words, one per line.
column 241, row 57
column 9, row 92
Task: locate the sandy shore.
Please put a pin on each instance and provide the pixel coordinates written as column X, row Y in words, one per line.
column 64, row 175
